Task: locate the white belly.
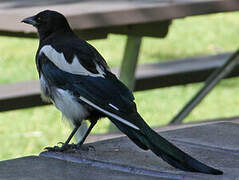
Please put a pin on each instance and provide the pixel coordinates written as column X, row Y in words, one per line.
column 65, row 102
column 70, row 108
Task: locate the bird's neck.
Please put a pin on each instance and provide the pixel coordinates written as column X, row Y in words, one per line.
column 48, row 35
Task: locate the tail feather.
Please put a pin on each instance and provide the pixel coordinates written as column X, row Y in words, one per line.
column 176, row 157
column 149, row 139
column 130, row 133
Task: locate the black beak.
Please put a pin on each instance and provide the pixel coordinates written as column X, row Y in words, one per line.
column 30, row 20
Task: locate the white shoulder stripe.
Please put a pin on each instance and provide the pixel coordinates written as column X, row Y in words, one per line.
column 75, row 67
column 109, row 114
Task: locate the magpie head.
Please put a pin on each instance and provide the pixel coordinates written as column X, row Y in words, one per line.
column 47, row 22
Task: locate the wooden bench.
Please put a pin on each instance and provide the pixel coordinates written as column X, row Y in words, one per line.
column 148, row 76
column 96, row 19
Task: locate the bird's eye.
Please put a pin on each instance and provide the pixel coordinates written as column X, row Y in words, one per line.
column 38, row 18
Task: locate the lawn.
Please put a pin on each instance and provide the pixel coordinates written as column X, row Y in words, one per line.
column 28, row 131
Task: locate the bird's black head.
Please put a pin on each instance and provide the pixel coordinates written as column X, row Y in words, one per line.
column 48, row 22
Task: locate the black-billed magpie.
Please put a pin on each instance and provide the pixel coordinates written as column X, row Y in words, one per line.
column 77, row 80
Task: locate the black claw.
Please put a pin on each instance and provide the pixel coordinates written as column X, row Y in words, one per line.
column 61, row 148
column 56, row 149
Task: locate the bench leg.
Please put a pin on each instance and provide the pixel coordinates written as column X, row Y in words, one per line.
column 130, row 59
column 210, row 83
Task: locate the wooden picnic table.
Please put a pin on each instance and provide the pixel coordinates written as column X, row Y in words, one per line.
column 213, row 143
column 94, row 19
column 109, row 16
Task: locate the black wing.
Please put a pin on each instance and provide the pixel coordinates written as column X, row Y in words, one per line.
column 106, row 94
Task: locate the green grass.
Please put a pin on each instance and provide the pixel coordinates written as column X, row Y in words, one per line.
column 28, row 131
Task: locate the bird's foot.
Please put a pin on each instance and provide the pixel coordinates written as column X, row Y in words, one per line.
column 80, row 147
column 70, row 148
column 62, row 148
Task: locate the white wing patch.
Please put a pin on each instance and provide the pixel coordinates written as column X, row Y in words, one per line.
column 114, row 107
column 109, row 114
column 75, row 67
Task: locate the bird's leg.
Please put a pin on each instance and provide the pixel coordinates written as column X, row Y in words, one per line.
column 92, row 124
column 64, row 145
column 71, row 135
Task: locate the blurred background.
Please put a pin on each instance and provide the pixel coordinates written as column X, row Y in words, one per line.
column 28, row 131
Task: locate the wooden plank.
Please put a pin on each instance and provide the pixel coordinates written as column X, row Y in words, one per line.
column 20, row 95
column 150, row 76
column 153, row 29
column 86, row 15
column 208, row 143
column 179, row 72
